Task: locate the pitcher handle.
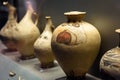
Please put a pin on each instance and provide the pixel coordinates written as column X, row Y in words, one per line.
column 36, row 18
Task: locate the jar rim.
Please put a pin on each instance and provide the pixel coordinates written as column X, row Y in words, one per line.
column 74, row 13
column 117, row 30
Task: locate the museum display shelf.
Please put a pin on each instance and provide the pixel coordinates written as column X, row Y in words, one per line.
column 28, row 69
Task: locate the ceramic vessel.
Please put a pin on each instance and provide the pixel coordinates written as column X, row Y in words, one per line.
column 7, row 30
column 110, row 61
column 73, row 46
column 42, row 45
column 26, row 33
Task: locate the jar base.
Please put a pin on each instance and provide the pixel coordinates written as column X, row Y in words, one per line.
column 72, row 78
column 8, row 43
column 75, row 78
column 106, row 76
column 27, row 57
column 47, row 65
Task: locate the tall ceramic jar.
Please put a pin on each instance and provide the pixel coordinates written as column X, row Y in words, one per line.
column 75, row 44
column 42, row 45
column 6, row 32
column 110, row 61
column 26, row 33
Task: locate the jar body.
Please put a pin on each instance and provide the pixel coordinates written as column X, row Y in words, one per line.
column 110, row 62
column 73, row 46
column 25, row 35
column 43, row 50
column 6, row 34
column 7, row 31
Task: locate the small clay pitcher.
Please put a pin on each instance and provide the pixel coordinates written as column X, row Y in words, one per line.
column 42, row 45
column 26, row 34
column 6, row 32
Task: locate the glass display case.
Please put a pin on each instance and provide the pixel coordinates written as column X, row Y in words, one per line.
column 104, row 15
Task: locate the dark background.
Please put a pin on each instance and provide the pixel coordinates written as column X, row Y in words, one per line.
column 103, row 14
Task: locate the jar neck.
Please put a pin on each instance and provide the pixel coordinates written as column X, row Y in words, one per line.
column 118, row 32
column 29, row 11
column 119, row 40
column 74, row 16
column 49, row 25
column 12, row 15
column 73, row 19
column 11, row 11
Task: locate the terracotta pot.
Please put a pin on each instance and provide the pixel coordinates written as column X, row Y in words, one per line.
column 75, row 44
column 26, row 33
column 42, row 45
column 110, row 61
column 7, row 30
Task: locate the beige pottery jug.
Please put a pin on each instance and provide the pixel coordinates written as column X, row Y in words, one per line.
column 26, row 33
column 75, row 44
column 6, row 32
column 110, row 61
column 42, row 45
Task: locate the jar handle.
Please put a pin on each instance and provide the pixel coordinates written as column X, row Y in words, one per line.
column 36, row 18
